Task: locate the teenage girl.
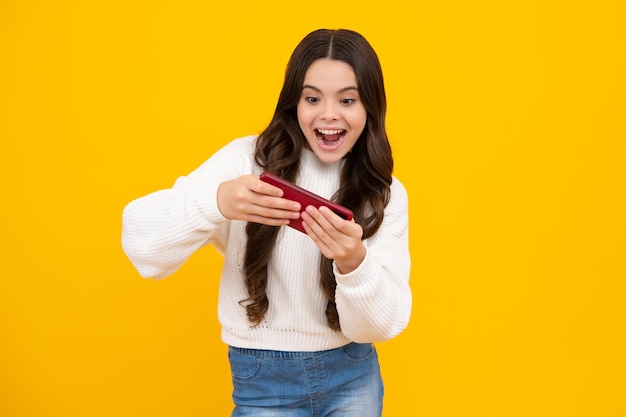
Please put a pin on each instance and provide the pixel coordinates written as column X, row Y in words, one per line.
column 299, row 311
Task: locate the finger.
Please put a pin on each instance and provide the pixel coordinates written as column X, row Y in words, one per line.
column 283, row 211
column 318, row 216
column 270, row 221
column 319, row 229
column 276, row 203
column 271, row 196
column 317, row 235
column 328, row 220
column 333, row 218
column 261, row 187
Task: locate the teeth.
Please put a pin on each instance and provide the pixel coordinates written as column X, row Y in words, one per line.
column 330, row 132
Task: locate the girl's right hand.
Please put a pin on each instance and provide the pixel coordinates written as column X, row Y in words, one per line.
column 250, row 199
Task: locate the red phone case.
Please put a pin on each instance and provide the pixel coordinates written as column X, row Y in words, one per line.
column 305, row 198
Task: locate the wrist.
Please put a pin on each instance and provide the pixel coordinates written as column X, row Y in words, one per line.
column 351, row 262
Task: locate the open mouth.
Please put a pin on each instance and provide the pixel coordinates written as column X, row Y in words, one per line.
column 330, row 137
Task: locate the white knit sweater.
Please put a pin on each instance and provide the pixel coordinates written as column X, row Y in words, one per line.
column 163, row 229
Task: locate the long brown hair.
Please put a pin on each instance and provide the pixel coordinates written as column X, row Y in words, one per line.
column 279, row 147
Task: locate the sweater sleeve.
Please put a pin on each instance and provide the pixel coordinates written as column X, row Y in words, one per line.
column 161, row 230
column 374, row 301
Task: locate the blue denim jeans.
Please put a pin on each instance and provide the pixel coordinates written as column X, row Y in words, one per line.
column 342, row 382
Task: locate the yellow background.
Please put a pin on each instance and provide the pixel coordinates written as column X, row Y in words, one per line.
column 508, row 125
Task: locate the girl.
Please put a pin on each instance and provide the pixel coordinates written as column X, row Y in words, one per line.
column 299, row 311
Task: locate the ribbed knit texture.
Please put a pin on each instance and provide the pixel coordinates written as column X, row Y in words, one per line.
column 163, row 229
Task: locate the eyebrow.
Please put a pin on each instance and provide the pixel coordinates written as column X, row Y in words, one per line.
column 343, row 90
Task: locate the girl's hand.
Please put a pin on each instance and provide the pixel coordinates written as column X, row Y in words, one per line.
column 250, row 199
column 338, row 239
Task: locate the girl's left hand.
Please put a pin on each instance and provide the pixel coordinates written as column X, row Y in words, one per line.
column 338, row 239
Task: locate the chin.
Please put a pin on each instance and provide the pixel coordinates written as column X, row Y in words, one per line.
column 330, row 158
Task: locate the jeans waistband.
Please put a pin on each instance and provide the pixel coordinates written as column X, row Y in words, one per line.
column 280, row 354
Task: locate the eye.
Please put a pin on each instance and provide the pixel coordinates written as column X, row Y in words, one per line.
column 347, row 101
column 312, row 100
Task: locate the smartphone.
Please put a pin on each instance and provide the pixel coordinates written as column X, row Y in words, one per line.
column 306, row 198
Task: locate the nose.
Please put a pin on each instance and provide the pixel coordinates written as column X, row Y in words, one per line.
column 329, row 112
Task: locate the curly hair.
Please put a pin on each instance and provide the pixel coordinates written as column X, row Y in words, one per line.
column 279, row 147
